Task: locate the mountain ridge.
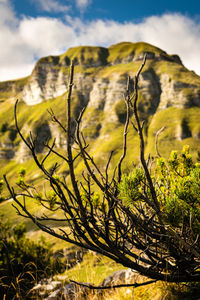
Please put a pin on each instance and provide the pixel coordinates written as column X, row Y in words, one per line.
column 88, row 57
column 169, row 95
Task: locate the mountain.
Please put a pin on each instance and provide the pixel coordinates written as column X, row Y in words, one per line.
column 169, row 95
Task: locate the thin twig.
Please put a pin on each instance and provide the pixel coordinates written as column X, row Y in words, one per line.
column 101, row 287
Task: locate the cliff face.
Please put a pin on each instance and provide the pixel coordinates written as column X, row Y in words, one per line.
column 49, row 77
column 47, row 81
column 100, row 83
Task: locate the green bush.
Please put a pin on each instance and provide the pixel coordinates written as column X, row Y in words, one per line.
column 177, row 184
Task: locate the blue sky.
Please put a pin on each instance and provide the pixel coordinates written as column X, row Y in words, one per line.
column 121, row 11
column 30, row 29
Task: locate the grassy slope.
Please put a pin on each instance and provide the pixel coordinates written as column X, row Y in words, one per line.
column 11, row 88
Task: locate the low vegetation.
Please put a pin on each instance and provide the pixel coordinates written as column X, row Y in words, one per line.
column 23, row 262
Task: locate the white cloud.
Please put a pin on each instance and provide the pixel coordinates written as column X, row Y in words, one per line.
column 7, row 15
column 51, row 6
column 82, row 4
column 45, row 35
column 25, row 40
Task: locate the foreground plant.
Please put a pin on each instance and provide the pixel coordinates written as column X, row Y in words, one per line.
column 23, row 262
column 147, row 220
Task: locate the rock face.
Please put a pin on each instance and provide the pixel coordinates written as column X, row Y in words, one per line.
column 99, row 84
column 45, row 82
column 173, row 93
column 50, row 75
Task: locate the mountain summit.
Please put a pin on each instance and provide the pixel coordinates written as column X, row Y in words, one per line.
column 169, row 95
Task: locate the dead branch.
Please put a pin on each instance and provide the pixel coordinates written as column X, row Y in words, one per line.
column 107, row 287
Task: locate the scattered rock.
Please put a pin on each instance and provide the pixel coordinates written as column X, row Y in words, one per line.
column 45, row 287
column 53, row 290
column 120, row 277
column 70, row 291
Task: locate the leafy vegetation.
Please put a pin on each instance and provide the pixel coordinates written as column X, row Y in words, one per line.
column 177, row 182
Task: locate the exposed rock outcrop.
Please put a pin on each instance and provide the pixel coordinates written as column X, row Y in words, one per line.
column 46, row 82
column 177, row 94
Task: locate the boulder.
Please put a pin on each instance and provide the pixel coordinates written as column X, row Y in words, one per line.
column 120, row 277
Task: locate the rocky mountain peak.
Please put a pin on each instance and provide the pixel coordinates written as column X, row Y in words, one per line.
column 100, row 82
